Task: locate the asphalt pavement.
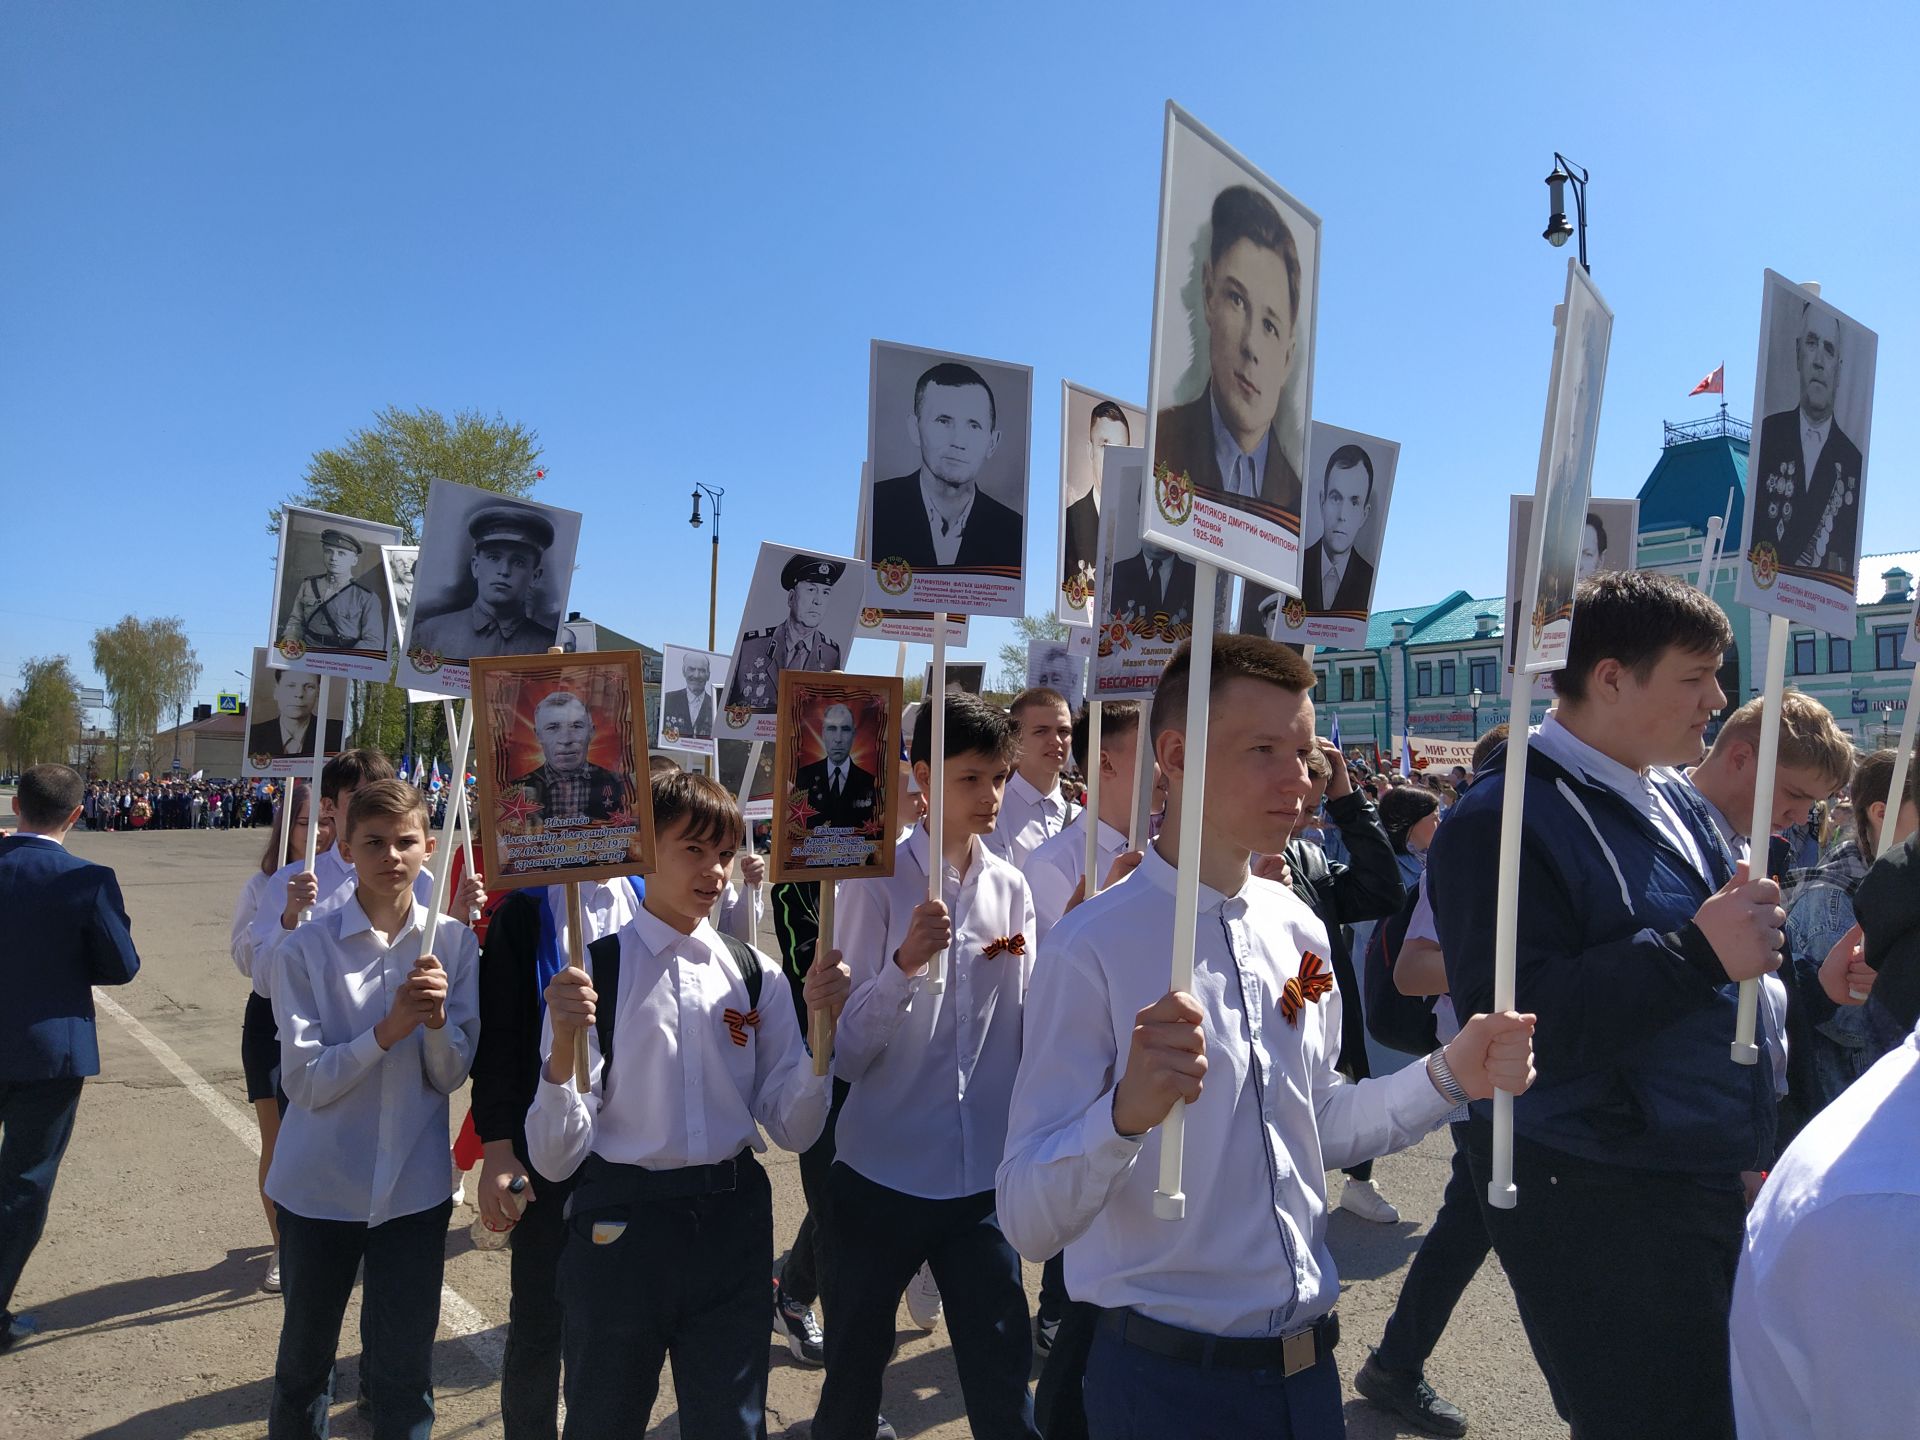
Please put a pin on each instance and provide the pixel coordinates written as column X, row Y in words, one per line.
column 147, row 1280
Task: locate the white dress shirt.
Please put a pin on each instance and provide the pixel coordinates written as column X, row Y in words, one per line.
column 336, row 881
column 365, row 1138
column 1056, row 867
column 946, row 533
column 932, row 1074
column 1251, row 1256
column 1813, row 439
column 1240, row 473
column 1827, row 1301
column 1028, row 819
column 1645, row 792
column 682, row 1093
column 240, row 933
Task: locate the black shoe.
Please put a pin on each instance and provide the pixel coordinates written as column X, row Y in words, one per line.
column 796, row 1324
column 15, row 1328
column 1044, row 1331
column 803, row 1430
column 1409, row 1397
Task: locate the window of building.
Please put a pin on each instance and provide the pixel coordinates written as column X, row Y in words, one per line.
column 1319, row 685
column 1804, row 660
column 1447, row 669
column 1346, row 684
column 1886, row 647
column 1840, row 655
column 1423, row 678
column 1367, row 690
column 1480, row 673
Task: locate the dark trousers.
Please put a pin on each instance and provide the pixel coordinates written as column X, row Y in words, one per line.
column 1053, row 1289
column 1353, row 1032
column 1059, row 1400
column 1133, row 1394
column 806, row 1273
column 36, row 1122
column 400, row 1309
column 530, row 1369
column 1448, row 1259
column 682, row 1280
column 880, row 1238
column 1624, row 1279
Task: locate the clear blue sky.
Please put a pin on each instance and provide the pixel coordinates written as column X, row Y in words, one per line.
column 230, row 233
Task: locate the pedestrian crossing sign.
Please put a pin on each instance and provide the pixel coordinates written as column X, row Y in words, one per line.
column 226, row 704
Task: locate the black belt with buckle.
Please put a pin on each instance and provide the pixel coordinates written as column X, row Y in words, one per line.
column 1289, row 1354
column 603, row 1184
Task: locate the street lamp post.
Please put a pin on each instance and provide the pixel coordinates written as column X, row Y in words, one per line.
column 1473, row 704
column 713, row 493
column 1558, row 231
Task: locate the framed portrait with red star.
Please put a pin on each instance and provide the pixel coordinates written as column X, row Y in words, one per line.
column 836, row 769
column 560, row 750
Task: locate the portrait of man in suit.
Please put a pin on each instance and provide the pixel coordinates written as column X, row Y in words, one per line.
column 688, row 711
column 1153, row 582
column 296, row 695
column 1807, row 506
column 1336, row 576
column 938, row 517
column 1106, row 426
column 840, row 793
column 568, row 788
column 1225, row 441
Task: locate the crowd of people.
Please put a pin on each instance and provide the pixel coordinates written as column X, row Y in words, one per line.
column 177, row 804
column 1700, row 1248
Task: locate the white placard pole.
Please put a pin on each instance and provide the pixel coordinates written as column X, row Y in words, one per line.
column 1902, row 760
column 283, row 823
column 443, row 856
column 1093, row 798
column 820, row 1022
column 1501, row 1192
column 319, row 764
column 576, row 957
column 1139, row 827
column 1709, row 555
column 466, row 820
column 1169, row 1200
column 1760, row 830
column 900, row 661
column 936, row 787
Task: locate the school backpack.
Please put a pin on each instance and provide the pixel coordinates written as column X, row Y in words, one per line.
column 1400, row 1022
column 605, row 954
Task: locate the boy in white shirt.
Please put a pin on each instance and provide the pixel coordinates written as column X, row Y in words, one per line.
column 669, row 1239
column 1056, row 870
column 378, row 1020
column 1219, row 1324
column 925, row 1120
column 1034, row 808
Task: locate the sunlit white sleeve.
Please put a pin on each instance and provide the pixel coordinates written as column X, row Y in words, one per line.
column 560, row 1121
column 864, row 933
column 1361, row 1119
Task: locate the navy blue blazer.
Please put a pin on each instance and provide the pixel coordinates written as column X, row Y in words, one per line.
column 66, row 931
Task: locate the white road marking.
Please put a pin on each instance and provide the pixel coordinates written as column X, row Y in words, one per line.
column 483, row 1339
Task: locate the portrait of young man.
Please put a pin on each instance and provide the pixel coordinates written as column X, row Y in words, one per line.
column 332, row 610
column 508, row 548
column 1107, row 423
column 938, row 516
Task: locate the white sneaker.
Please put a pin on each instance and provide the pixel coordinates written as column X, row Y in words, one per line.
column 459, row 1187
column 272, row 1283
column 1363, row 1198
column 923, row 1299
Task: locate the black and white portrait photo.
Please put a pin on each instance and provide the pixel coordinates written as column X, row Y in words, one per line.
column 949, row 440
column 283, row 719
column 1232, row 363
column 1052, row 665
column 692, row 686
column 1147, row 590
column 1609, row 540
column 1089, row 423
column 492, row 579
column 400, row 562
column 968, row 677
column 1349, row 483
column 331, row 610
column 1806, row 479
column 801, row 611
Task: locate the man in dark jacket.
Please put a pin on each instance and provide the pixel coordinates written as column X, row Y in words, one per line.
column 1632, row 931
column 1887, row 904
column 1367, row 887
column 67, row 931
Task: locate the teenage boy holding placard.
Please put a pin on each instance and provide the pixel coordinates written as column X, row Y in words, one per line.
column 1056, row 870
column 1633, row 929
column 1036, row 808
column 1219, row 1325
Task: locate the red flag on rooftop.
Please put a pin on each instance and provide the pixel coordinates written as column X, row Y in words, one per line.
column 1714, row 384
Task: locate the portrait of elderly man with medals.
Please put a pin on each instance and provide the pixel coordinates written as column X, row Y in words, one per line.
column 796, row 643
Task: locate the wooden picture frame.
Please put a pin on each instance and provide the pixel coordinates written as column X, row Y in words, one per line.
column 810, row 840
column 611, row 831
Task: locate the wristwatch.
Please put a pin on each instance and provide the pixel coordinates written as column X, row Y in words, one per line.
column 1441, row 1074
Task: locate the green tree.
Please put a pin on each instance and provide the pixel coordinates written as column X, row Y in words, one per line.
column 383, row 473
column 44, row 719
column 149, row 670
column 1013, row 655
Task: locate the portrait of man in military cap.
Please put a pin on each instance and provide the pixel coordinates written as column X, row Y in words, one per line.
column 568, row 788
column 509, row 546
column 332, row 608
column 797, row 642
column 334, row 611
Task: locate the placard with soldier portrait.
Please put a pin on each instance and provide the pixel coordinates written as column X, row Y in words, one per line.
column 948, row 436
column 1089, row 423
column 1052, row 665
column 1146, row 591
column 331, row 612
column 693, row 683
column 1349, row 484
column 879, row 622
column 283, row 722
column 800, row 615
column 964, row 677
column 561, row 757
column 492, row 579
column 836, row 779
column 1230, row 383
column 400, row 562
column 1609, row 540
column 1807, row 475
